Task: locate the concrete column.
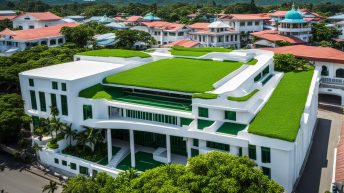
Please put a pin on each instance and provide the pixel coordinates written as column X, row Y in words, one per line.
column 168, row 148
column 132, row 148
column 109, row 144
column 188, row 146
column 234, row 150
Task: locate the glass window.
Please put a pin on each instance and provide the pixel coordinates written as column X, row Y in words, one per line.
column 64, row 162
column 73, row 166
column 63, row 86
column 53, row 100
column 83, row 170
column 203, row 112
column 64, row 105
column 195, row 142
column 42, row 101
column 219, row 146
column 56, row 161
column 230, row 115
column 265, row 154
column 267, row 171
column 249, row 23
column 266, row 70
column 54, row 85
column 257, row 78
column 94, row 173
column 252, row 152
column 242, row 23
column 31, row 82
column 257, row 23
column 33, row 100
column 340, row 73
column 87, row 111
column 240, row 151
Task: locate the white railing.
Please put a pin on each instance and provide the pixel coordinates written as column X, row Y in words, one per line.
column 337, row 81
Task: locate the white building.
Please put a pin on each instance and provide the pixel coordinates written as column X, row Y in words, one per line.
column 174, row 124
column 216, row 34
column 32, row 20
column 246, row 23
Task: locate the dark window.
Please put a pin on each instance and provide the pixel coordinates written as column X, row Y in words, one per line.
column 54, row 85
column 257, row 78
column 240, row 151
column 340, row 73
column 31, row 27
column 195, row 142
column 64, row 105
column 252, row 152
column 265, row 155
column 42, row 101
column 83, row 170
column 53, row 100
column 87, row 112
column 31, row 82
column 64, row 86
column 33, row 100
column 203, row 112
column 219, row 146
column 56, row 161
column 266, row 70
column 230, row 115
column 53, row 42
column 73, row 166
column 324, row 71
column 267, row 171
column 94, row 173
column 60, row 41
column 64, row 162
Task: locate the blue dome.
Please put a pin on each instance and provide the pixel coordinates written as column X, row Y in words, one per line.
column 293, row 14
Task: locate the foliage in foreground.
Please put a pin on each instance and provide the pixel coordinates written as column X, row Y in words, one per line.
column 212, row 172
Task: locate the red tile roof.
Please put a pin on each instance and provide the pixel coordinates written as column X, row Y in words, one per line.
column 38, row 33
column 273, row 36
column 340, row 158
column 203, row 26
column 134, row 18
column 164, row 25
column 184, row 43
column 278, row 14
column 314, row 53
column 43, row 16
column 259, row 16
column 10, row 17
column 119, row 19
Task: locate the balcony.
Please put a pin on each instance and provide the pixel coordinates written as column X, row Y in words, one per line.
column 336, row 83
column 308, row 29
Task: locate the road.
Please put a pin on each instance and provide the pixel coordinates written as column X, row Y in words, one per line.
column 317, row 175
column 14, row 179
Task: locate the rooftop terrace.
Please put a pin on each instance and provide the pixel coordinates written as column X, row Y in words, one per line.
column 177, row 74
column 182, row 51
column 280, row 118
column 115, row 53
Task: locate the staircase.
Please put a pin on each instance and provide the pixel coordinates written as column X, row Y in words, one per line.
column 121, row 154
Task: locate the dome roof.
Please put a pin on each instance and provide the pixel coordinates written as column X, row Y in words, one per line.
column 293, row 14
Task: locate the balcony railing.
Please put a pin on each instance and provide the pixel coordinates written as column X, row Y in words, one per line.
column 336, row 83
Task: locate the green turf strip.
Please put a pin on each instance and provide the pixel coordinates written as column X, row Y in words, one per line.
column 115, row 53
column 144, row 161
column 231, row 128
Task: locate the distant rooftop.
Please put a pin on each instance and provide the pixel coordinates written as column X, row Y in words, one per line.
column 72, row 70
column 42, row 16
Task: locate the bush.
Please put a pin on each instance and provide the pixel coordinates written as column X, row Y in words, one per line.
column 86, row 152
column 288, row 63
column 53, row 144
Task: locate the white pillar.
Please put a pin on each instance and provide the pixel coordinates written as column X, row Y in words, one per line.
column 132, row 148
column 109, row 145
column 188, row 146
column 168, row 148
column 234, row 150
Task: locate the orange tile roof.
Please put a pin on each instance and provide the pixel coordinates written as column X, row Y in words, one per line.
column 38, row 33
column 184, row 43
column 258, row 16
column 340, row 158
column 119, row 19
column 43, row 16
column 163, row 25
column 314, row 53
column 272, row 35
column 10, row 17
column 278, row 14
column 134, row 18
column 203, row 26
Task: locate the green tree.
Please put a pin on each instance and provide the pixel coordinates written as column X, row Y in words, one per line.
column 50, row 188
column 81, row 184
column 37, row 149
column 68, row 132
column 128, row 38
column 6, row 23
column 325, row 44
column 288, row 62
column 322, row 33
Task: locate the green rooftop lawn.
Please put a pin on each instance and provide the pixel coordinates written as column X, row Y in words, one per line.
column 280, row 117
column 243, row 98
column 177, row 74
column 252, row 62
column 231, row 128
column 99, row 91
column 182, row 51
column 115, row 53
column 143, row 161
column 205, row 95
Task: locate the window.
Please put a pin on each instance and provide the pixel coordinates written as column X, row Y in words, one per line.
column 172, row 34
column 56, row 161
column 267, row 171
column 64, row 162
column 94, row 173
column 265, row 154
column 53, row 100
column 83, row 170
column 54, row 85
column 252, row 152
column 151, row 117
column 87, row 112
column 242, row 23
column 266, row 70
column 240, row 151
column 64, row 86
column 203, row 112
column 42, row 101
column 53, row 42
column 31, row 27
column 219, row 146
column 249, row 23
column 31, row 82
column 258, row 77
column 180, row 33
column 60, row 40
column 340, row 73
column 256, row 23
column 64, row 105
column 230, row 115
column 324, row 71
column 73, row 166
column 195, row 142
column 33, row 100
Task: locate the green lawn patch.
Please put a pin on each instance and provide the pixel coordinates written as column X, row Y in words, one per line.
column 115, row 53
column 205, row 95
column 231, row 128
column 252, row 62
column 201, row 124
column 143, row 160
column 280, row 117
column 243, row 98
column 177, row 74
column 182, row 51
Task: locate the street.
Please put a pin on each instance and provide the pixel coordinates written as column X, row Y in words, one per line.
column 15, row 179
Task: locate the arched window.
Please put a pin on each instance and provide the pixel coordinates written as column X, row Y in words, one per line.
column 53, row 42
column 340, row 73
column 324, row 71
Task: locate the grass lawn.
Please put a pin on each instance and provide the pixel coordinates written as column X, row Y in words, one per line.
column 143, row 160
column 231, row 128
column 182, row 51
column 115, row 53
column 243, row 98
column 280, row 117
column 104, row 161
column 252, row 62
column 205, row 95
column 177, row 74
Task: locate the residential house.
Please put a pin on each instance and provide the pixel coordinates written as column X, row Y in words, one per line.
column 33, row 20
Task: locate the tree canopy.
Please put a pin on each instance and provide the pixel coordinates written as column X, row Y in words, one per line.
column 288, row 62
column 128, row 38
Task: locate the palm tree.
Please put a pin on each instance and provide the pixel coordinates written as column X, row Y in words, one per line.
column 68, row 132
column 51, row 187
column 37, row 149
column 130, row 174
column 94, row 137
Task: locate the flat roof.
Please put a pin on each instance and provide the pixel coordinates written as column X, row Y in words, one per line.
column 177, row 74
column 72, row 70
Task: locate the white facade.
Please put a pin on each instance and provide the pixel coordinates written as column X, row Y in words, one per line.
column 246, row 26
column 27, row 21
column 287, row 158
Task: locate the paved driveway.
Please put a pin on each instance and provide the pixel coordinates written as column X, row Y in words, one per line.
column 14, row 179
column 317, row 175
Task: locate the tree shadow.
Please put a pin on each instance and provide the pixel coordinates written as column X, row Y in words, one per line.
column 8, row 162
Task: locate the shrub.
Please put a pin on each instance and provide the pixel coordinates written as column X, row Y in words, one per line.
column 53, row 144
column 288, row 63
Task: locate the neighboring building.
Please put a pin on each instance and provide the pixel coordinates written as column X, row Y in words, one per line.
column 336, row 18
column 165, row 122
column 216, row 34
column 33, row 20
column 104, row 40
column 15, row 41
column 134, row 20
column 245, row 23
column 7, row 14
column 271, row 38
column 340, row 26
column 117, row 26
column 150, row 17
column 76, row 18
column 185, row 43
column 329, row 60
